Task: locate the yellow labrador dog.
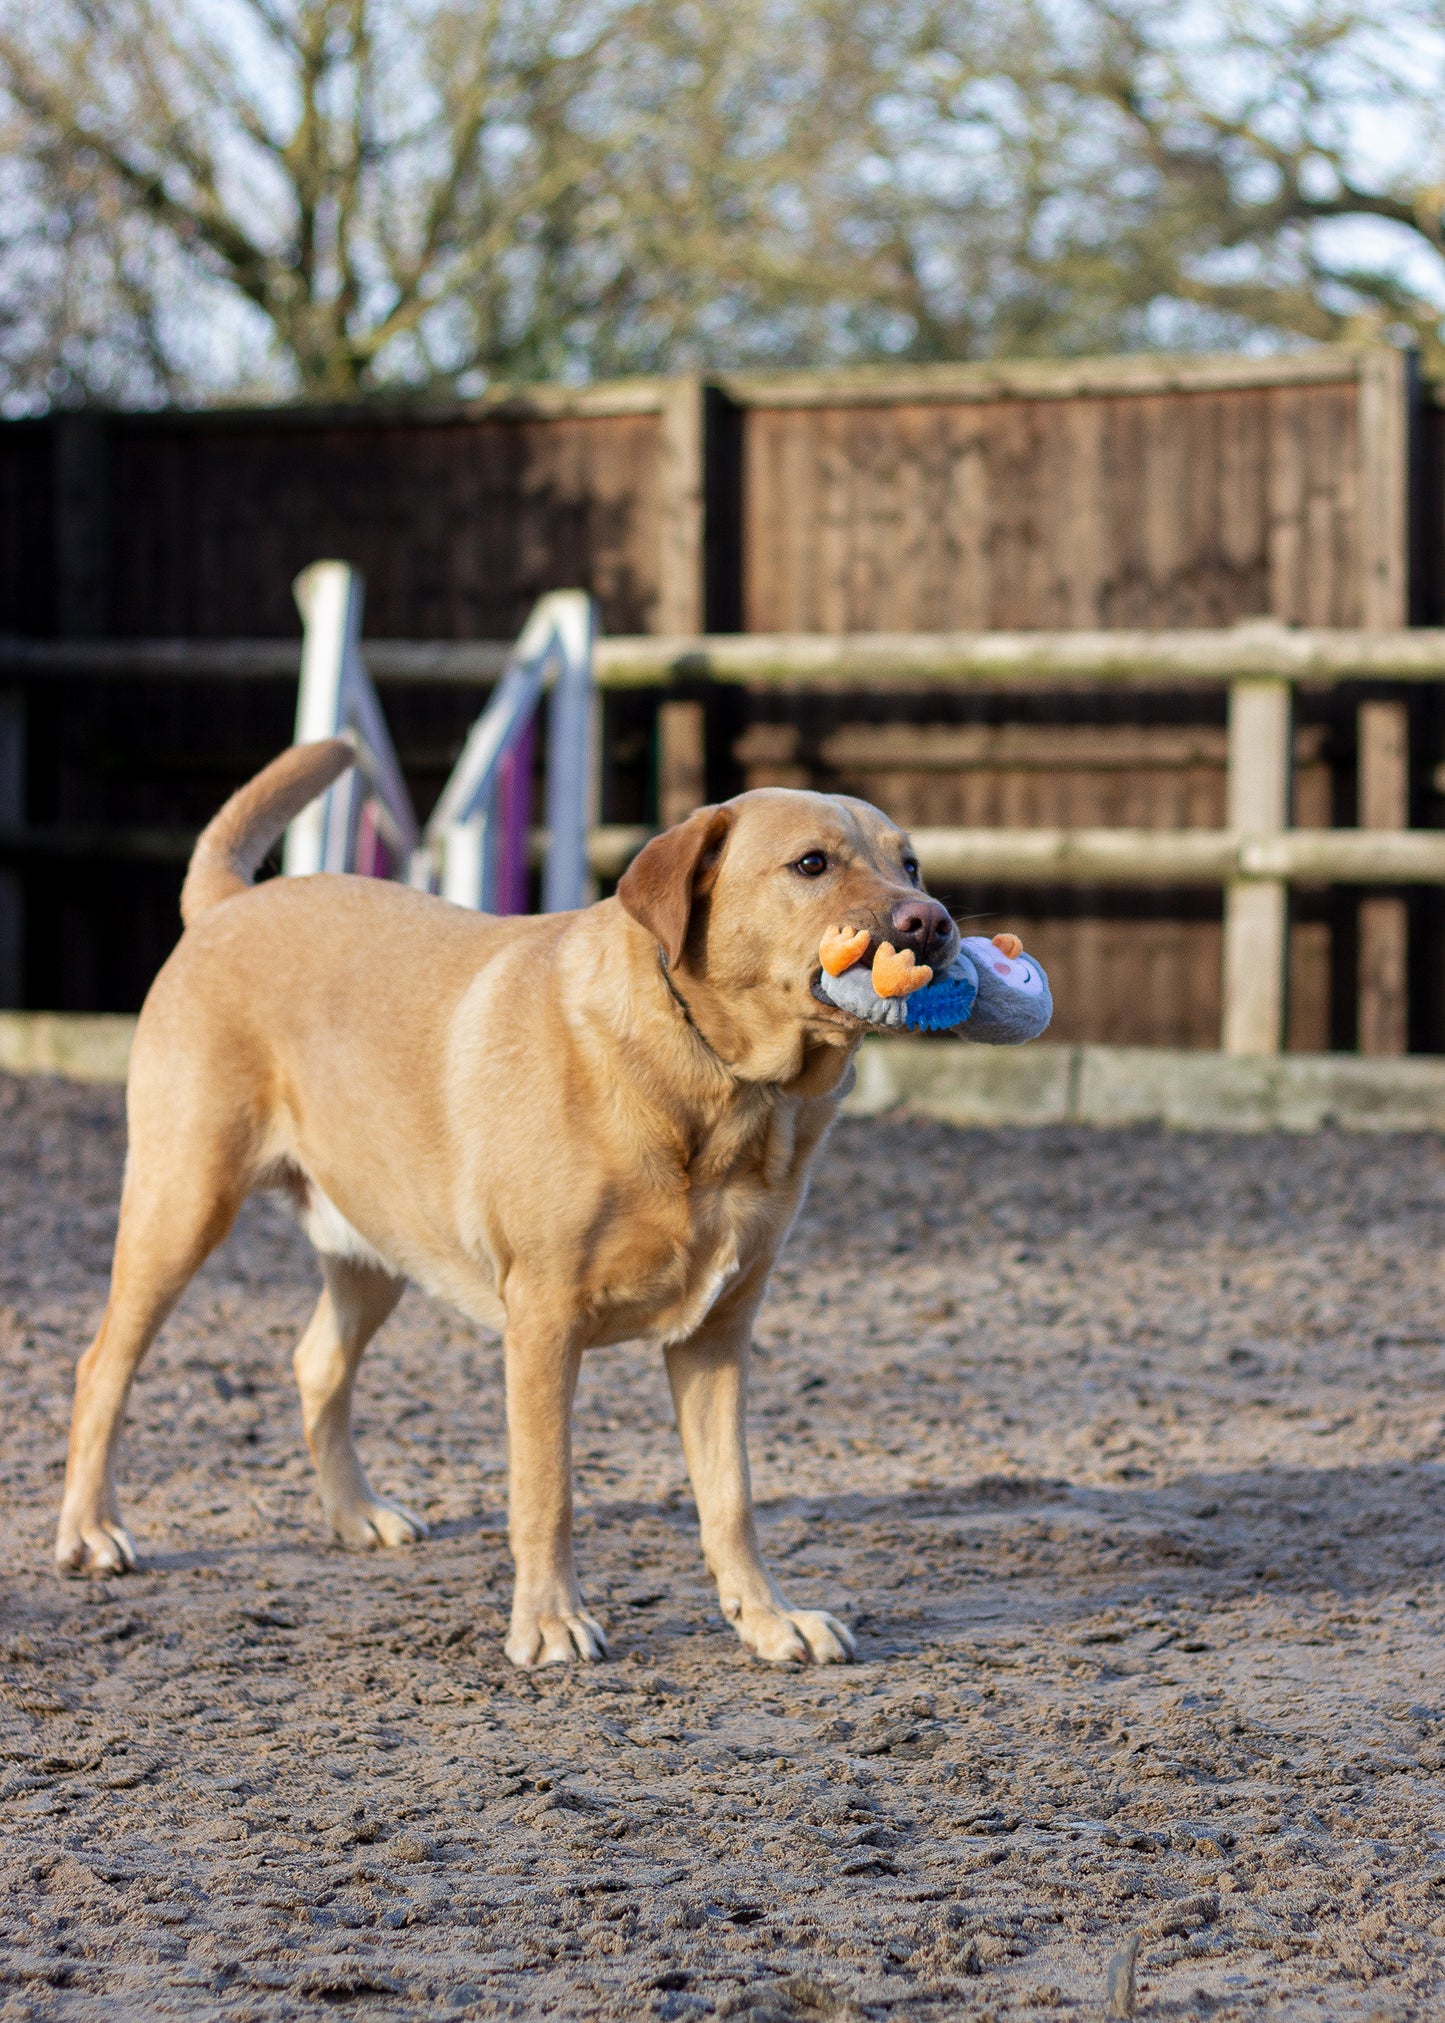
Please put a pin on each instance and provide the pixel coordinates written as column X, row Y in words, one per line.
column 581, row 1128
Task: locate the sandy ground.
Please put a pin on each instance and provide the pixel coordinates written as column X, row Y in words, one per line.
column 1121, row 1452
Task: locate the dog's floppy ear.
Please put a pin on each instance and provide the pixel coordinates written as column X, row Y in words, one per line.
column 659, row 885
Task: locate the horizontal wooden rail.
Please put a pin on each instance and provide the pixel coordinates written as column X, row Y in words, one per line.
column 1008, row 659
column 1042, row 378
column 1124, row 857
column 1189, row 1089
column 802, row 660
column 95, row 842
column 1181, row 856
column 1135, row 857
column 395, row 660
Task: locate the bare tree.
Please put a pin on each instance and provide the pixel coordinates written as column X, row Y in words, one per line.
column 1114, row 174
column 364, row 192
column 1295, row 155
column 342, row 171
column 330, row 198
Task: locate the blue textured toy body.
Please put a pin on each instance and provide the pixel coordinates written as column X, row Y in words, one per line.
column 946, row 1002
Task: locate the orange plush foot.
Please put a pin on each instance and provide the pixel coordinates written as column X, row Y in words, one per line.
column 896, row 973
column 841, row 947
column 1009, row 945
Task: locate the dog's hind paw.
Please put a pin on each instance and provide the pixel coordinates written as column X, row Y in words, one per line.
column 795, row 1636
column 546, row 1639
column 94, row 1546
column 377, row 1522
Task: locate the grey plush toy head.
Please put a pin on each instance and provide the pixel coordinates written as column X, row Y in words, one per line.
column 1014, row 1003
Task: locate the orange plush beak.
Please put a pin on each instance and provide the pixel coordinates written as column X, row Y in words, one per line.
column 896, row 972
column 841, row 947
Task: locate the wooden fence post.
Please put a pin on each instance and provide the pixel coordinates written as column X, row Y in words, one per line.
column 681, row 761
column 1383, row 766
column 1383, row 413
column 680, row 561
column 1383, row 750
column 1256, row 910
column 12, row 817
column 81, row 452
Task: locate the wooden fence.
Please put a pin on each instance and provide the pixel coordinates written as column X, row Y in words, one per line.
column 1124, row 492
column 193, row 525
column 147, row 641
column 1305, row 903
column 1119, row 492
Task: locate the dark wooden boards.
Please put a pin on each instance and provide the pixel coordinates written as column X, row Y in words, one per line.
column 194, row 525
column 1100, row 510
column 1115, row 493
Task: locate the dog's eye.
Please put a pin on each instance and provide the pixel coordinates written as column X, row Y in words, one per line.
column 812, row 864
column 910, row 868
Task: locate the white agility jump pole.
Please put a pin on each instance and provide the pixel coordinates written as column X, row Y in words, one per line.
column 475, row 845
column 366, row 819
column 474, row 849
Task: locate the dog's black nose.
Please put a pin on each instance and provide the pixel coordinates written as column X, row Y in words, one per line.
column 920, row 924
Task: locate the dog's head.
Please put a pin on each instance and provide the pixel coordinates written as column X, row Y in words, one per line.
column 739, row 896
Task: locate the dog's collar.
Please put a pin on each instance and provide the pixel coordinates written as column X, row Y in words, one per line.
column 686, row 1009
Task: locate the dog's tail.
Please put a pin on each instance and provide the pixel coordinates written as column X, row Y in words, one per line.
column 229, row 849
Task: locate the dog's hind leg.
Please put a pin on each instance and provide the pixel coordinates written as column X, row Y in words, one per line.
column 355, row 1302
column 172, row 1216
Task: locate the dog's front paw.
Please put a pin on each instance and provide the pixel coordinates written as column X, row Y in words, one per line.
column 794, row 1636
column 94, row 1545
column 554, row 1637
column 378, row 1521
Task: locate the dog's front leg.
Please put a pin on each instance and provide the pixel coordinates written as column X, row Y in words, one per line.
column 708, row 1373
column 549, row 1623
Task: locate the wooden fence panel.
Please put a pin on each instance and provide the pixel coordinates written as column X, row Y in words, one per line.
column 27, row 601
column 1132, row 492
column 459, row 528
column 1074, row 505
column 1136, row 494
column 147, row 526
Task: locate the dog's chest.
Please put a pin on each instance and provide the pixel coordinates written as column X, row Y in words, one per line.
column 736, row 1198
column 724, row 1227
column 713, row 1269
column 739, row 1198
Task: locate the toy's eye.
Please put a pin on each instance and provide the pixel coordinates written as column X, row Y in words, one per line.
column 910, row 868
column 812, row 864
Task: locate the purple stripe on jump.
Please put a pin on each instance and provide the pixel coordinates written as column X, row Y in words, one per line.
column 373, row 859
column 514, row 820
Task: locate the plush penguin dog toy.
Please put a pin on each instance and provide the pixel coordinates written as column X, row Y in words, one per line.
column 991, row 992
